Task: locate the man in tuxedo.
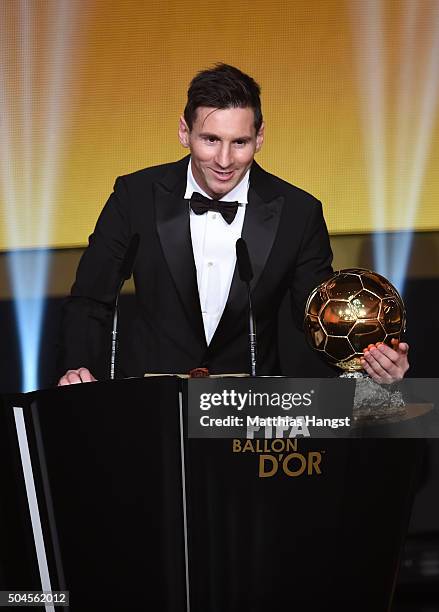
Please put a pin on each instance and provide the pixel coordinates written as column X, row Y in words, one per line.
column 191, row 304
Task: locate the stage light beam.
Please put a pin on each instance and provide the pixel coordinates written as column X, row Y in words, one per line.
column 28, row 185
column 426, row 119
column 391, row 257
column 369, row 37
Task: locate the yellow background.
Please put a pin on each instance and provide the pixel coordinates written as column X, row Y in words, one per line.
column 126, row 73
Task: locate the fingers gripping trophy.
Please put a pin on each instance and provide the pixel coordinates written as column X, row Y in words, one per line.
column 346, row 314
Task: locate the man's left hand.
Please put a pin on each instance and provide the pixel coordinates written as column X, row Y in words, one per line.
column 384, row 364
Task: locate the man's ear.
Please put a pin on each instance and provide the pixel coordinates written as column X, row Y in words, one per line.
column 183, row 132
column 260, row 137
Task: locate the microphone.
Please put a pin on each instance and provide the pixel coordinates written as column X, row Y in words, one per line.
column 246, row 274
column 126, row 269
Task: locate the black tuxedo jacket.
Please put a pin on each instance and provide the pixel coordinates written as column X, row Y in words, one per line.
column 288, row 245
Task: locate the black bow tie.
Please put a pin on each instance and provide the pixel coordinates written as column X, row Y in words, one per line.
column 200, row 205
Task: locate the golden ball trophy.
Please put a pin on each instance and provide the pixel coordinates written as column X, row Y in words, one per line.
column 356, row 308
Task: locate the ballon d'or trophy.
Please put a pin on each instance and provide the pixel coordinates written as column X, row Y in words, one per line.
column 343, row 316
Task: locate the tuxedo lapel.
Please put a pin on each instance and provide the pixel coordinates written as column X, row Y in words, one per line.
column 173, row 227
column 259, row 231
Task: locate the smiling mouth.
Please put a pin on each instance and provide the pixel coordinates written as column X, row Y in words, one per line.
column 223, row 175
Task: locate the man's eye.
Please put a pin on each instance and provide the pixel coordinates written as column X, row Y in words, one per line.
column 240, row 143
column 210, row 139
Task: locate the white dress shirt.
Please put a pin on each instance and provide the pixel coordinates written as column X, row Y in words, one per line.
column 213, row 245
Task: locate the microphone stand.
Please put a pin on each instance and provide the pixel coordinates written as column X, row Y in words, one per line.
column 114, row 334
column 126, row 270
column 252, row 334
column 246, row 274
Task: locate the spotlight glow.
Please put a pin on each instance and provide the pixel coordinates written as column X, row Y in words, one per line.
column 404, row 104
column 391, row 257
column 368, row 28
column 28, row 271
column 422, row 143
column 24, row 179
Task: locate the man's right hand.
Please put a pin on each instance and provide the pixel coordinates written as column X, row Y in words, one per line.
column 72, row 377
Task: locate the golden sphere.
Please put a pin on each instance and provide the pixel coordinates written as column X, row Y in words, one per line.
column 351, row 310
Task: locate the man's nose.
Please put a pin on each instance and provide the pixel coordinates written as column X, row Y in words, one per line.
column 224, row 155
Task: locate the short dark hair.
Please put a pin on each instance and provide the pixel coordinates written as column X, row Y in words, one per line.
column 223, row 86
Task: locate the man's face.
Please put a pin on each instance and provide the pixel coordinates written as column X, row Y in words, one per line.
column 223, row 143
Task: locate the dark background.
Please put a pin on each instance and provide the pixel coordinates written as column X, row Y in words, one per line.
column 418, row 583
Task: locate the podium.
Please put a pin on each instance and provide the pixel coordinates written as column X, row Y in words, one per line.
column 129, row 513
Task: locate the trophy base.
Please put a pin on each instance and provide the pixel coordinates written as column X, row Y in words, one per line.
column 373, row 401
